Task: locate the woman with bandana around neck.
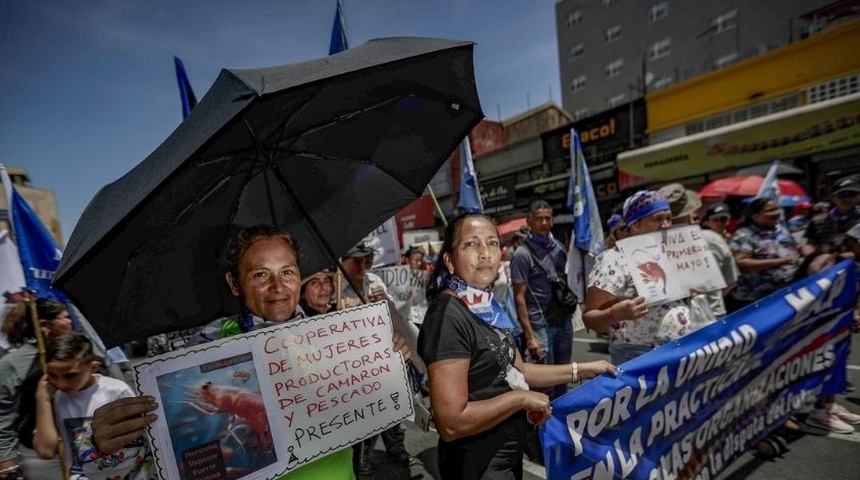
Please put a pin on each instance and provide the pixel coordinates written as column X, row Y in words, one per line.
column 479, row 384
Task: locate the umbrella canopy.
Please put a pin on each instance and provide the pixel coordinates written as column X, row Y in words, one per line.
column 762, row 169
column 508, row 229
column 747, row 186
column 327, row 149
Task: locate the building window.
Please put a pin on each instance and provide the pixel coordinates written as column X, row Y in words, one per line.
column 725, row 22
column 575, row 52
column 833, row 89
column 663, row 82
column 661, row 10
column 615, row 100
column 580, row 114
column 660, row 49
column 726, row 60
column 615, row 68
column 574, row 18
column 577, row 83
column 612, row 34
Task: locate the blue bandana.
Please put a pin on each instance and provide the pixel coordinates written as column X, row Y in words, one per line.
column 480, row 302
column 547, row 242
column 642, row 204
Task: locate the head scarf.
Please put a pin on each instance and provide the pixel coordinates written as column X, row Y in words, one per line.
column 642, row 204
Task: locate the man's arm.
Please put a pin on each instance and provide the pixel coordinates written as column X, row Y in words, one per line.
column 533, row 346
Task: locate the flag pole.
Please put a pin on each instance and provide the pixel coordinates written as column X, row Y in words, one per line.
column 438, row 207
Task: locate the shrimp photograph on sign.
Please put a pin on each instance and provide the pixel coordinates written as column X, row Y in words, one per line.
column 264, row 403
column 671, row 264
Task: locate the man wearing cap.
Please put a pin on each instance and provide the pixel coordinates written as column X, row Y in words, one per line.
column 716, row 219
column 356, row 263
column 612, row 304
column 827, row 235
column 684, row 203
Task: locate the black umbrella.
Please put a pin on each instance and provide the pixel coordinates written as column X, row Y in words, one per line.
column 327, row 149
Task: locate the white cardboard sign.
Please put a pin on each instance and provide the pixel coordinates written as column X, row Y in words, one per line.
column 407, row 287
column 671, row 264
column 261, row 404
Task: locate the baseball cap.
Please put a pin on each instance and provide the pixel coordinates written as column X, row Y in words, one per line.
column 717, row 211
column 854, row 232
column 359, row 250
column 682, row 201
column 847, row 184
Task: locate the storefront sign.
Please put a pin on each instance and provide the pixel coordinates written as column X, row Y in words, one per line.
column 418, row 214
column 802, row 131
column 499, row 195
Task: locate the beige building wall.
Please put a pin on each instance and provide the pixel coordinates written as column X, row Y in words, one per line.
column 41, row 200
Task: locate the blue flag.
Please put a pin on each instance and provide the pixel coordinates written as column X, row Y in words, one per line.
column 189, row 101
column 587, row 227
column 470, row 194
column 36, row 247
column 770, row 186
column 338, row 32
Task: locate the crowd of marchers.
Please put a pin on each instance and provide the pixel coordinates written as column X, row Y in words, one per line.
column 490, row 359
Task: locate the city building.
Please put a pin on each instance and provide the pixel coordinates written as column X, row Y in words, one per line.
column 41, row 200
column 612, row 51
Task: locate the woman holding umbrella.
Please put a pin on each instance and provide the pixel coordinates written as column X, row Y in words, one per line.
column 263, row 273
column 479, row 384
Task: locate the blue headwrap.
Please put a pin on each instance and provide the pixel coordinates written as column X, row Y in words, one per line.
column 642, row 204
column 613, row 221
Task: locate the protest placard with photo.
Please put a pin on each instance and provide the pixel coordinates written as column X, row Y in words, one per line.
column 261, row 404
column 407, row 287
column 671, row 264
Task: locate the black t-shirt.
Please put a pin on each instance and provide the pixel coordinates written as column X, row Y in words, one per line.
column 450, row 331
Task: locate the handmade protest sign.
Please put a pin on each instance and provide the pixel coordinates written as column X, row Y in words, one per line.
column 407, row 287
column 689, row 408
column 669, row 264
column 261, row 404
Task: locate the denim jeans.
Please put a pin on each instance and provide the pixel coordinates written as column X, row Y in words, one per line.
column 557, row 349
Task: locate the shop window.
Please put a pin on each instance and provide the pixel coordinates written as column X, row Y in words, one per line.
column 615, row 100
column 725, row 22
column 577, row 83
column 612, row 34
column 658, row 11
column 573, row 18
column 726, row 60
column 833, row 89
column 615, row 68
column 660, row 49
column 580, row 114
column 576, row 51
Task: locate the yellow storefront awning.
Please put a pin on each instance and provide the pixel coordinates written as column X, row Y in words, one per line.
column 805, row 130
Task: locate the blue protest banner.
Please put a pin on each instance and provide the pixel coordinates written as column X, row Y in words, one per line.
column 689, row 408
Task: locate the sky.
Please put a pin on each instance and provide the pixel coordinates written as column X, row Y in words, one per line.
column 88, row 89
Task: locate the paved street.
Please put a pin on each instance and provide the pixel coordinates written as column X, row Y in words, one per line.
column 810, row 457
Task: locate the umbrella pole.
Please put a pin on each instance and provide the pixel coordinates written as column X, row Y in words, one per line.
column 40, row 345
column 436, row 203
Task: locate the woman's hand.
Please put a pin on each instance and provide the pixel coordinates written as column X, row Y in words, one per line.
column 45, row 390
column 630, row 309
column 401, row 346
column 376, row 294
column 119, row 422
column 537, row 407
column 589, row 370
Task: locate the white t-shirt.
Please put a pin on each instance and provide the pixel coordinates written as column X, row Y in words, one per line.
column 73, row 414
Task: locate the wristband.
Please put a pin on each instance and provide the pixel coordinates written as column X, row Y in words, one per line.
column 574, row 372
